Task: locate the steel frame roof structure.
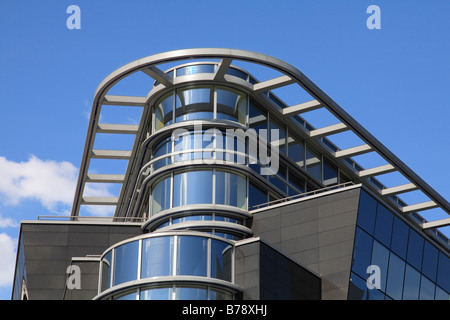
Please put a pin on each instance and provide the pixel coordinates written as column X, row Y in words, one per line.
column 289, row 75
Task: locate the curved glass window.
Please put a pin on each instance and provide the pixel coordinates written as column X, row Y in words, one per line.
column 161, row 195
column 156, row 294
column 163, row 148
column 192, row 256
column 106, row 271
column 194, row 103
column 231, row 105
column 220, row 255
column 157, row 257
column 164, row 111
column 190, row 140
column 190, row 293
column 231, row 189
column 192, row 187
column 126, row 262
column 199, row 68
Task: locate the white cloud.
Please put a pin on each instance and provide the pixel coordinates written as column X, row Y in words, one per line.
column 7, row 222
column 52, row 183
column 8, row 260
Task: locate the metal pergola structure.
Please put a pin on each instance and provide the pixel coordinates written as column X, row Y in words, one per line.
column 289, row 76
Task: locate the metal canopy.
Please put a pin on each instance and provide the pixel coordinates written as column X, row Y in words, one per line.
column 289, row 76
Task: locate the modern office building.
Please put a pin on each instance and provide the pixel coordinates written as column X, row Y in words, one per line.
column 229, row 191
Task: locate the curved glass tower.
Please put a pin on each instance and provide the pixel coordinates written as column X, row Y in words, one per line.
column 209, row 149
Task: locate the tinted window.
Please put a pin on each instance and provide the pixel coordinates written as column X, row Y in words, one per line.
column 367, row 212
column 383, row 225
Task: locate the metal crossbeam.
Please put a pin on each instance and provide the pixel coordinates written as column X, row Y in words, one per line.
column 272, row 84
column 302, row 107
column 117, row 128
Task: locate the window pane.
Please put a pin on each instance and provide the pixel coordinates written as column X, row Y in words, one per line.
column 157, row 256
column 257, row 118
column 441, row 294
column 193, row 187
column 231, row 105
column 415, row 249
column 430, row 259
column 412, row 284
column 161, row 196
column 191, row 256
column 126, row 262
column 367, row 212
column 220, row 260
column 106, row 271
column 426, row 289
column 164, row 111
column 256, row 196
column 395, row 277
column 313, row 164
column 362, row 253
column 231, row 189
column 201, row 68
column 190, row 293
column 330, row 175
column 156, row 294
column 399, row 242
column 296, row 151
column 219, row 295
column 380, row 258
column 383, row 225
column 192, row 104
column 277, row 136
column 443, row 279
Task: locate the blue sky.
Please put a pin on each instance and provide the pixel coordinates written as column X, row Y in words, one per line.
column 393, row 81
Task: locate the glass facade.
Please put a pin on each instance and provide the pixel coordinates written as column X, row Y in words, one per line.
column 410, row 266
column 151, row 257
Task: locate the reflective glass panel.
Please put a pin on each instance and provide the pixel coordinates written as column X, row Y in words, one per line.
column 441, row 294
column 367, row 212
column 106, row 271
column 412, row 284
column 362, row 252
column 192, row 256
column 187, row 293
column 156, row 294
column 415, row 249
column 157, row 256
column 161, row 196
column 220, row 253
column 200, row 68
column 277, row 136
column 296, row 151
column 231, row 105
column 129, row 296
column 219, row 295
column 399, row 242
column 330, row 175
column 443, row 279
column 256, row 195
column 396, row 272
column 193, row 104
column 380, row 258
column 231, row 189
column 383, row 225
column 257, row 118
column 430, row 260
column 427, row 289
column 313, row 164
column 126, row 262
column 192, row 187
column 164, row 111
